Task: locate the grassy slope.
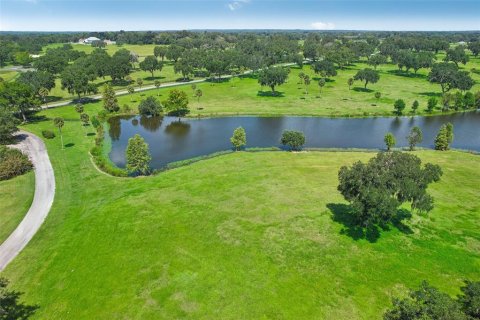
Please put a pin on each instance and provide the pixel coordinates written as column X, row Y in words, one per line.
column 242, row 236
column 16, row 196
column 242, row 96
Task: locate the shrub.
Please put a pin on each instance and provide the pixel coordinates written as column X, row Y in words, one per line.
column 126, row 108
column 13, row 163
column 293, row 139
column 432, row 104
column 150, row 107
column 47, row 134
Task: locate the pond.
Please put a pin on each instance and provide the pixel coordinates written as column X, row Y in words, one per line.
column 172, row 140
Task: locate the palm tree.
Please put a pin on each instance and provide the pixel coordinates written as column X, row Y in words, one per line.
column 58, row 122
column 157, row 85
column 79, row 108
column 43, row 92
column 306, row 81
column 350, row 83
column 130, row 90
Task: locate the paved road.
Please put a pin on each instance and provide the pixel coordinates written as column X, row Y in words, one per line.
column 42, row 200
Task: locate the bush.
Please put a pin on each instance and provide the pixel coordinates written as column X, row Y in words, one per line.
column 150, row 107
column 126, row 108
column 293, row 139
column 13, row 163
column 47, row 134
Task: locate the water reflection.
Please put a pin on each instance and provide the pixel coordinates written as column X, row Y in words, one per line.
column 151, row 123
column 177, row 128
column 172, row 140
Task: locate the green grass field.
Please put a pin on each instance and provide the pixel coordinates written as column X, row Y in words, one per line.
column 16, row 196
column 245, row 96
column 240, row 96
column 242, row 236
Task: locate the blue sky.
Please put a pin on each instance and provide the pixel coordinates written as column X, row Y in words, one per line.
column 101, row 15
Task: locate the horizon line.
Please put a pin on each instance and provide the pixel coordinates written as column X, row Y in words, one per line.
column 244, row 29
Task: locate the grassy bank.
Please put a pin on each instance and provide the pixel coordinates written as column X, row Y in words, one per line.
column 16, row 196
column 240, row 236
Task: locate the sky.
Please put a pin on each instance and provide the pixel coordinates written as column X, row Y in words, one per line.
column 114, row 15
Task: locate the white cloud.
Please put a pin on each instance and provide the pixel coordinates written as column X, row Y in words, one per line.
column 234, row 5
column 323, row 25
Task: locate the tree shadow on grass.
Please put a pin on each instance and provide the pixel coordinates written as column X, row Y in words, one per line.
column 35, row 118
column 53, row 99
column 328, row 80
column 276, row 94
column 150, row 78
column 360, row 89
column 218, row 80
column 69, row 145
column 85, row 100
column 431, row 94
column 343, row 213
column 407, row 74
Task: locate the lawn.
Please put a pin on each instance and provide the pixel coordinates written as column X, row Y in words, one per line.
column 16, row 196
column 245, row 96
column 242, row 236
column 240, row 96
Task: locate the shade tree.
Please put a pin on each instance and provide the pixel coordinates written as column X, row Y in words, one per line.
column 151, row 64
column 367, row 76
column 272, row 77
column 377, row 189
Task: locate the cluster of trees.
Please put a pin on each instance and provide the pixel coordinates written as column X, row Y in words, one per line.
column 449, row 77
column 457, row 101
column 442, row 142
column 414, row 138
column 293, row 140
column 429, row 303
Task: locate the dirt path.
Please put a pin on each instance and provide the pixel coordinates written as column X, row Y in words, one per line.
column 42, row 200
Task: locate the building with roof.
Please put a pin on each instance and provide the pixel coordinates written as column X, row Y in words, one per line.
column 90, row 40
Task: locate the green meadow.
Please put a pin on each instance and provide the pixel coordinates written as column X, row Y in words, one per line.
column 16, row 195
column 262, row 235
column 244, row 96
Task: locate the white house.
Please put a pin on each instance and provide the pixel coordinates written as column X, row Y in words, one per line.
column 91, row 40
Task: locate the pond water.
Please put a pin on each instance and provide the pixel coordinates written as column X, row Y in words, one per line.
column 171, row 140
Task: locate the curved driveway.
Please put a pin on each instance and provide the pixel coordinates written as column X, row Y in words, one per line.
column 42, row 200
